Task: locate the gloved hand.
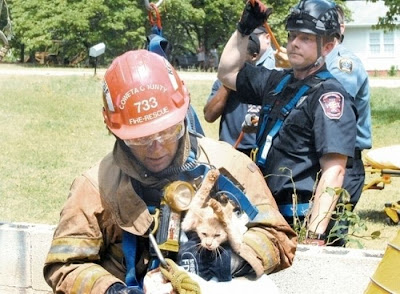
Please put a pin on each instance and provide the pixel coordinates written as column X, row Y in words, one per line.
column 180, row 279
column 250, row 123
column 119, row 288
column 253, row 16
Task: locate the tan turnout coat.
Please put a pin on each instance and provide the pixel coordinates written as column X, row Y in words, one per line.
column 86, row 253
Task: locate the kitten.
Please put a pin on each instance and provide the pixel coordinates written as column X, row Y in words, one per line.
column 214, row 222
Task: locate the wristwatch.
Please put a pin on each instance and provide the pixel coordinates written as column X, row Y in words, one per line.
column 315, row 236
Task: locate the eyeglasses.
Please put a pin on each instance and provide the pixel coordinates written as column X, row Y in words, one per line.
column 169, row 135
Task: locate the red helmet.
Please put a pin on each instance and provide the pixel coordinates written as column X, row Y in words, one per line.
column 142, row 95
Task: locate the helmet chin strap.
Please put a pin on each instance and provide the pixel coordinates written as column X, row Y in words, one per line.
column 320, row 58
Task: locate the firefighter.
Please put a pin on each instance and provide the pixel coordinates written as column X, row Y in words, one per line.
column 307, row 126
column 101, row 243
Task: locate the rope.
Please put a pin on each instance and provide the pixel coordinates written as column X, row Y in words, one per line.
column 180, row 279
column 157, row 20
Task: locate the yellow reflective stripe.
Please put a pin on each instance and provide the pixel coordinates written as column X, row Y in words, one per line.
column 86, row 279
column 64, row 249
column 263, row 247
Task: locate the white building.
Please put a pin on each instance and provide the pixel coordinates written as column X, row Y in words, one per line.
column 378, row 50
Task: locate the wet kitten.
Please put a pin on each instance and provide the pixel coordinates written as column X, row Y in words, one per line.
column 213, row 221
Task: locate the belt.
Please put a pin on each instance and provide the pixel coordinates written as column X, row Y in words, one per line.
column 357, row 155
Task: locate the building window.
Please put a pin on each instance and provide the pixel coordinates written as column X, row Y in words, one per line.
column 388, row 43
column 381, row 43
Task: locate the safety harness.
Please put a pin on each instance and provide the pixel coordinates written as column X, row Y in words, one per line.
column 271, row 122
column 287, row 210
column 191, row 169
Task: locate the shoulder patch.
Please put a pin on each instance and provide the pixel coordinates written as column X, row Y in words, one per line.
column 332, row 104
column 346, row 65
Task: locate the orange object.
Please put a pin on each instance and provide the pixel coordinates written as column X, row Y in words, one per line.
column 239, row 139
column 157, row 20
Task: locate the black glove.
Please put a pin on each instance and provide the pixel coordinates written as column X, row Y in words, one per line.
column 119, row 288
column 253, row 16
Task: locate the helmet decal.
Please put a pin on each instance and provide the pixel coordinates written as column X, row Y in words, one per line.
column 107, row 95
column 145, row 105
column 171, row 75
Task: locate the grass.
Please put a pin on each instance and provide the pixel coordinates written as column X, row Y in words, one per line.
column 52, row 130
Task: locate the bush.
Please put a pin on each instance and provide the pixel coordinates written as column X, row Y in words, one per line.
column 392, row 71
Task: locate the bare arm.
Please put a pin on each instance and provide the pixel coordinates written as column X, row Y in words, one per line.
column 215, row 106
column 232, row 59
column 333, row 167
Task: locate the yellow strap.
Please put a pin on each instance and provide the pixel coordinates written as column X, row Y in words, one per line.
column 180, row 279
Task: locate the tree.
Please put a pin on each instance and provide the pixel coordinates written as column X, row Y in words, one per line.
column 123, row 24
column 190, row 23
column 391, row 20
column 79, row 24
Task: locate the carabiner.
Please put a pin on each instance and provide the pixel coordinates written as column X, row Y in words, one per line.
column 149, row 7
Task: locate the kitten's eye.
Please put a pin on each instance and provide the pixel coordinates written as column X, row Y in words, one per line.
column 204, row 234
column 217, row 235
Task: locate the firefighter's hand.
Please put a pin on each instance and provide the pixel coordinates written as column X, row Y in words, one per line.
column 253, row 16
column 155, row 283
column 119, row 288
column 250, row 123
column 281, row 58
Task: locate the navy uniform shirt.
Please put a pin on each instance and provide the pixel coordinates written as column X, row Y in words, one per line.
column 348, row 69
column 322, row 122
column 234, row 112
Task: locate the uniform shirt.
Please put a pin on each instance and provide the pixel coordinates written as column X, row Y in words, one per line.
column 234, row 112
column 267, row 59
column 348, row 69
column 322, row 122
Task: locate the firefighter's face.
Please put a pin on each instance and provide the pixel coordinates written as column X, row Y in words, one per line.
column 157, row 156
column 301, row 49
column 156, row 152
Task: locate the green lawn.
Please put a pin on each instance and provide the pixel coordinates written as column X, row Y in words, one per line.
column 52, row 130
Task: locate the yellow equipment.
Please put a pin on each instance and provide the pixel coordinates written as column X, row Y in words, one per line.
column 386, row 277
column 177, row 198
column 392, row 211
column 384, row 162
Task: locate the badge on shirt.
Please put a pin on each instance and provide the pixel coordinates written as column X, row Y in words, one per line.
column 346, row 65
column 332, row 104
